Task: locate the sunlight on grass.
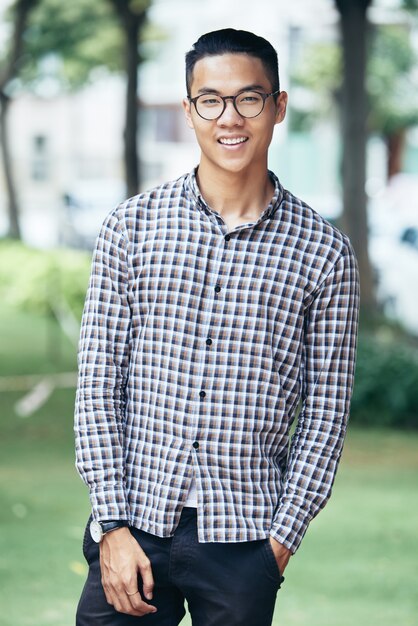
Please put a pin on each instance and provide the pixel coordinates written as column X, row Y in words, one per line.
column 78, row 568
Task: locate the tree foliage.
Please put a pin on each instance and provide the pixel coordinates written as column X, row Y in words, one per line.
column 391, row 80
column 66, row 40
column 410, row 5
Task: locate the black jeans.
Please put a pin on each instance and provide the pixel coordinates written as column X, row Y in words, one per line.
column 225, row 584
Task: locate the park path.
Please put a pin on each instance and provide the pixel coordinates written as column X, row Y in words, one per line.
column 37, row 387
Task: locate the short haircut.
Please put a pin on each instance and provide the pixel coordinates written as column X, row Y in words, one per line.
column 231, row 41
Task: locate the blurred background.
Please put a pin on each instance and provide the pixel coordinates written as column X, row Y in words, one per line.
column 90, row 113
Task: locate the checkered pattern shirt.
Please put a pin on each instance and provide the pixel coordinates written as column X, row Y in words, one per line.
column 198, row 346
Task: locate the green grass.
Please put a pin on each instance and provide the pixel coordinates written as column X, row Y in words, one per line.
column 31, row 344
column 357, row 565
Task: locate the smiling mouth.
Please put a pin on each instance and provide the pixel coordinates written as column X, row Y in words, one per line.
column 232, row 141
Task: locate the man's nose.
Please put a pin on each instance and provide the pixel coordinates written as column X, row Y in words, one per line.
column 230, row 114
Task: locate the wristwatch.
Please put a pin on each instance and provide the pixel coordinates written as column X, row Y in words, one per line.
column 99, row 529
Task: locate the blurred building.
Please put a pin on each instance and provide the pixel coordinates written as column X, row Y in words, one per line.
column 67, row 157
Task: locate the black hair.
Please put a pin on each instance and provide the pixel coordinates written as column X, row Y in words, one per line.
column 229, row 40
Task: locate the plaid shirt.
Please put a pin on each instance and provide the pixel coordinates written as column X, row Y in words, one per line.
column 197, row 346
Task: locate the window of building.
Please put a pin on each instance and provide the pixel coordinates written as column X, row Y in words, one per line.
column 40, row 161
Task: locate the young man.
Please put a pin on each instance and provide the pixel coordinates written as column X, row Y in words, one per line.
column 217, row 304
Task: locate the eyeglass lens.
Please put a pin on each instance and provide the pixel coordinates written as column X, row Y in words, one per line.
column 248, row 104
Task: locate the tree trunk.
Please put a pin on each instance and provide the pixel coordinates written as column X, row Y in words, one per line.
column 395, row 143
column 132, row 22
column 13, row 210
column 132, row 113
column 10, row 69
column 354, row 28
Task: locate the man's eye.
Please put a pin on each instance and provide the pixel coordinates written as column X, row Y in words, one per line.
column 250, row 99
column 209, row 101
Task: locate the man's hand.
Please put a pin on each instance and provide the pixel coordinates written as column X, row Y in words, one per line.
column 281, row 553
column 121, row 559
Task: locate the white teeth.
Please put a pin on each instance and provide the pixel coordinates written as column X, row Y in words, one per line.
column 231, row 142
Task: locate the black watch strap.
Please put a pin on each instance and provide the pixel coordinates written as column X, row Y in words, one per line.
column 99, row 529
column 109, row 525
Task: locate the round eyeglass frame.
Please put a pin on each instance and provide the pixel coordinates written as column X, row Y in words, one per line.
column 264, row 96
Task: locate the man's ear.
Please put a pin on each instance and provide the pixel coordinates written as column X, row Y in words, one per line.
column 281, row 105
column 187, row 107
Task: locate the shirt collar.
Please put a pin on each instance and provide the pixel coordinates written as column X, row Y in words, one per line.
column 193, row 189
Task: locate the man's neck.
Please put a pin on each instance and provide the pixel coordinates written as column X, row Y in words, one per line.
column 242, row 195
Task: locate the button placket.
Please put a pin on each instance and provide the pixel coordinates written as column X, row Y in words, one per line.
column 202, row 376
column 211, row 311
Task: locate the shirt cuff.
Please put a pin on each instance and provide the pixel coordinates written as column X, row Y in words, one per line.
column 289, row 527
column 109, row 504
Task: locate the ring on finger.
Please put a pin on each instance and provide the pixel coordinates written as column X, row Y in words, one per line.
column 133, row 593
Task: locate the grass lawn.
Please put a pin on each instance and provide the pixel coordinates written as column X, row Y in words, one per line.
column 357, row 565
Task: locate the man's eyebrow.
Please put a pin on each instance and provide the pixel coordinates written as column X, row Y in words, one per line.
column 253, row 87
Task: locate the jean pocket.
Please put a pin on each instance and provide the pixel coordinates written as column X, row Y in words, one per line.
column 87, row 538
column 272, row 562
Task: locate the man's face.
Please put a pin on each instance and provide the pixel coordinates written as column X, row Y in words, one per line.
column 228, row 75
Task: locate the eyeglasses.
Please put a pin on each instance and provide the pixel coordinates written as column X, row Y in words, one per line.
column 248, row 104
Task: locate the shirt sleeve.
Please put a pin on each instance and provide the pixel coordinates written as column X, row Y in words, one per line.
column 103, row 357
column 328, row 374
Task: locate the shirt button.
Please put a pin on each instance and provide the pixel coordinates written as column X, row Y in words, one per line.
column 195, row 445
column 202, row 394
column 209, row 341
column 217, row 288
column 227, row 237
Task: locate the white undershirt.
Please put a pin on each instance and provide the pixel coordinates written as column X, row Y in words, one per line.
column 192, row 495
